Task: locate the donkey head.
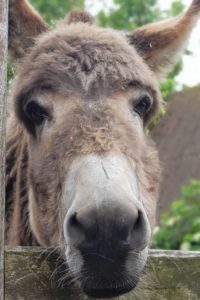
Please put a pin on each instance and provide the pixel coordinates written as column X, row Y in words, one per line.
column 84, row 95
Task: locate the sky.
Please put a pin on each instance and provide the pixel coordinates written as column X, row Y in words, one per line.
column 190, row 75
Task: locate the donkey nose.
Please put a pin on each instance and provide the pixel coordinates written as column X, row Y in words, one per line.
column 122, row 226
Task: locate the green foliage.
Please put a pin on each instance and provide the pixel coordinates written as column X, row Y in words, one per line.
column 176, row 8
column 169, row 84
column 180, row 227
column 130, row 14
column 10, row 73
column 53, row 10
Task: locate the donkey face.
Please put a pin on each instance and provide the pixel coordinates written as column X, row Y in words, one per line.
column 84, row 95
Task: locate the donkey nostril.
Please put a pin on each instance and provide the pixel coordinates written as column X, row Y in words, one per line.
column 138, row 223
column 122, row 232
column 83, row 226
column 74, row 229
column 73, row 220
column 140, row 232
column 126, row 225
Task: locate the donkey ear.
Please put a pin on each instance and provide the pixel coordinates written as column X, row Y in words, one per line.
column 160, row 44
column 25, row 24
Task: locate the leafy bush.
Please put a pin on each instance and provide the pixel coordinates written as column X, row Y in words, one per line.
column 10, row 73
column 180, row 227
column 53, row 10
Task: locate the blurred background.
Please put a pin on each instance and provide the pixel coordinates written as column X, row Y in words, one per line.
column 176, row 130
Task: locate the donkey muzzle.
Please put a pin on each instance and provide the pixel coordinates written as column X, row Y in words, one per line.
column 106, row 225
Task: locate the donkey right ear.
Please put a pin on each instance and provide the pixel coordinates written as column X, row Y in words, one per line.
column 25, row 24
column 161, row 44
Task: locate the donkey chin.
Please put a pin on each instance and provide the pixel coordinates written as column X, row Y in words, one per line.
column 101, row 276
column 106, row 228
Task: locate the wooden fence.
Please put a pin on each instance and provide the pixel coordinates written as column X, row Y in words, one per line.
column 28, row 271
column 3, row 72
column 169, row 275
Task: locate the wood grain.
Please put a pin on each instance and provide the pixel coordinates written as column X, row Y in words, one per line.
column 3, row 72
column 169, row 275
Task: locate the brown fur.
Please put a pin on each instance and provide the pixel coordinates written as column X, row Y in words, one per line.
column 77, row 16
column 96, row 80
column 88, row 79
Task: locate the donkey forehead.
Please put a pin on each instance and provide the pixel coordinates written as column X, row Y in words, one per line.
column 85, row 58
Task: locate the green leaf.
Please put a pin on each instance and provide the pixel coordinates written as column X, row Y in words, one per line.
column 180, row 226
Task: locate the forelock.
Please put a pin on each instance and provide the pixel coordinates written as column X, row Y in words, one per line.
column 76, row 16
column 86, row 59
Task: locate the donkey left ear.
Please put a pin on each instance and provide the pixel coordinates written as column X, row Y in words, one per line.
column 25, row 24
column 160, row 44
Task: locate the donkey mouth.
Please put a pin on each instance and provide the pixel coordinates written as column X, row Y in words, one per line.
column 109, row 292
column 97, row 286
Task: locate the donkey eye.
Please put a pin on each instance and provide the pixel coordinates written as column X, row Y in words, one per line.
column 143, row 106
column 35, row 113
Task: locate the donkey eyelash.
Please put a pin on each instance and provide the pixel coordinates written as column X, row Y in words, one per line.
column 143, row 106
column 35, row 112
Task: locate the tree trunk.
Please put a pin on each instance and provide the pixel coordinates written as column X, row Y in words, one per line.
column 3, row 72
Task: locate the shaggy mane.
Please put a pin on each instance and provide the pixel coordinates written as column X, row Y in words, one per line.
column 78, row 16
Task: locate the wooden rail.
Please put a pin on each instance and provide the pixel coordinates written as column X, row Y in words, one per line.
column 169, row 275
column 3, row 83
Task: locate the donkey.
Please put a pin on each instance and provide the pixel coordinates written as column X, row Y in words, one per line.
column 81, row 175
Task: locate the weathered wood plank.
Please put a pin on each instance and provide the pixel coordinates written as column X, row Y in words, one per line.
column 3, row 72
column 169, row 275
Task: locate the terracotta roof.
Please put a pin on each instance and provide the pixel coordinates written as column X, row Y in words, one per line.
column 178, row 141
